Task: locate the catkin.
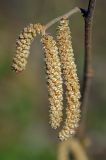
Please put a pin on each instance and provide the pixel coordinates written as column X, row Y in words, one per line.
column 23, row 45
column 53, row 70
column 71, row 80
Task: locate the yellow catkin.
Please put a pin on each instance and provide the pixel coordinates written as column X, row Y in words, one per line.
column 53, row 70
column 71, row 80
column 23, row 46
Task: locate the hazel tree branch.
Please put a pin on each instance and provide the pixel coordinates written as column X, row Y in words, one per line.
column 88, row 71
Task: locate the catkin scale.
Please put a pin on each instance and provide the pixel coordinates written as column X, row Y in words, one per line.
column 53, row 71
column 71, row 80
column 23, row 45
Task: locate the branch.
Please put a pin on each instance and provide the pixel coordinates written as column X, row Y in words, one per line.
column 88, row 71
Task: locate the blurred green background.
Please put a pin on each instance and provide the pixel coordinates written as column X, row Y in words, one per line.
column 24, row 130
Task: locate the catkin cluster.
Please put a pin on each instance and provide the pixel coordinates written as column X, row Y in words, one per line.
column 59, row 59
column 54, row 79
column 23, row 45
column 71, row 80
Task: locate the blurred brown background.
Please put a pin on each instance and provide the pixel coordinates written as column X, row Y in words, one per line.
column 24, row 130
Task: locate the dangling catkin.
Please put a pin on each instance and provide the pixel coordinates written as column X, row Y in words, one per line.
column 53, row 70
column 23, row 46
column 71, row 80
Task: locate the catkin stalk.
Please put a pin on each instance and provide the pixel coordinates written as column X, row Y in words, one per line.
column 23, row 45
column 53, row 70
column 71, row 80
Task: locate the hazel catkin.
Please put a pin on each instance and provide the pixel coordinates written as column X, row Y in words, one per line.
column 23, row 45
column 53, row 70
column 71, row 80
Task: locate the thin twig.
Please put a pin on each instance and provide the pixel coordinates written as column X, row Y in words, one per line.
column 88, row 71
column 68, row 14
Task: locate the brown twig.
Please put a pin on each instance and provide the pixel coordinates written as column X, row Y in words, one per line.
column 88, row 71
